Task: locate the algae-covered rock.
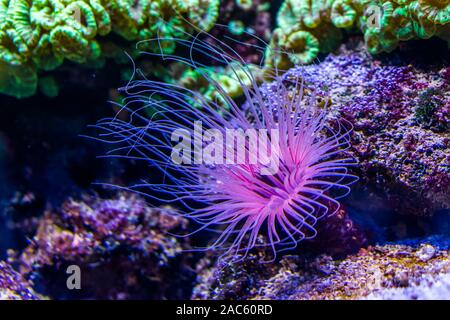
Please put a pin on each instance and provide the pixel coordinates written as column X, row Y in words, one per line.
column 400, row 113
column 123, row 248
column 13, row 286
column 374, row 272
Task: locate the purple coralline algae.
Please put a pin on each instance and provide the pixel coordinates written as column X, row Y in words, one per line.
column 122, row 247
column 338, row 235
column 13, row 286
column 372, row 272
column 401, row 120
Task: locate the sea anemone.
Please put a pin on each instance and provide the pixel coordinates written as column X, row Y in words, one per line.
column 248, row 202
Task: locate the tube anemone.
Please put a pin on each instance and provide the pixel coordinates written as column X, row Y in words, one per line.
column 245, row 202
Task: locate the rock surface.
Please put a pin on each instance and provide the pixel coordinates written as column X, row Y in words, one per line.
column 124, row 250
column 400, row 113
column 381, row 271
column 13, row 286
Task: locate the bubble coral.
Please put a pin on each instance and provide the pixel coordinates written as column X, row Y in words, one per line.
column 244, row 200
column 40, row 34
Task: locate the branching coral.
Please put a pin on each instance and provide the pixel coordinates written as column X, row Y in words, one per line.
column 384, row 24
column 40, row 34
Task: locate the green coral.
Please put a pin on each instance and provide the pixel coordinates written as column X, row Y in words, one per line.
column 48, row 86
column 236, row 27
column 18, row 81
column 41, row 34
column 384, row 24
column 231, row 79
column 245, row 4
column 343, row 15
column 299, row 47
